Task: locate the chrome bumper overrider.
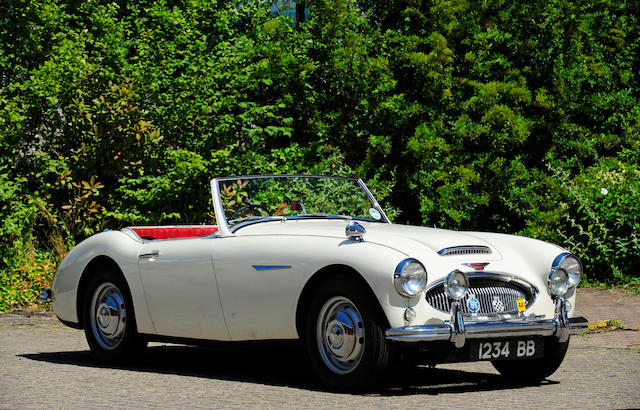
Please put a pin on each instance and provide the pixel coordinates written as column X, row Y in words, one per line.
column 457, row 331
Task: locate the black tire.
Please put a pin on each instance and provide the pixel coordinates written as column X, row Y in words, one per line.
column 109, row 319
column 534, row 370
column 370, row 353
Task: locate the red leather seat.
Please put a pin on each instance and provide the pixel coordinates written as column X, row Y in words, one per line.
column 173, row 232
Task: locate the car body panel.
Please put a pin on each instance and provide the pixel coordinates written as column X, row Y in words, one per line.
column 119, row 246
column 260, row 303
column 181, row 289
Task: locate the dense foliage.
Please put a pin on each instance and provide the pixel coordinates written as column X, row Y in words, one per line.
column 495, row 115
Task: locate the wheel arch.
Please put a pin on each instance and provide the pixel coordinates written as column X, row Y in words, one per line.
column 103, row 263
column 344, row 272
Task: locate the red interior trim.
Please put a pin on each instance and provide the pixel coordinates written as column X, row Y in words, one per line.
column 172, row 232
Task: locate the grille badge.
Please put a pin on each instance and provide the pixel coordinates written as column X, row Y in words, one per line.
column 497, row 304
column 473, row 304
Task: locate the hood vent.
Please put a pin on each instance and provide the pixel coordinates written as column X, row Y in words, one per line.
column 465, row 250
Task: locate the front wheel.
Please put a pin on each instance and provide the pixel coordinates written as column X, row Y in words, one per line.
column 109, row 323
column 344, row 337
column 534, row 370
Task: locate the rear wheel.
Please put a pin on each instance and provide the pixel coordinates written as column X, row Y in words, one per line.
column 344, row 336
column 109, row 321
column 535, row 370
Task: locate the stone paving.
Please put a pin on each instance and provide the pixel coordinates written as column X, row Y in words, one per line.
column 44, row 365
column 601, row 304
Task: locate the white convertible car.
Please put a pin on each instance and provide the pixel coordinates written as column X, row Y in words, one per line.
column 315, row 258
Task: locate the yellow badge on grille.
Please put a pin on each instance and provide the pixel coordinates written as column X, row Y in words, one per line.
column 521, row 305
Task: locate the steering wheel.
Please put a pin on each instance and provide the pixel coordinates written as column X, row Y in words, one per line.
column 245, row 208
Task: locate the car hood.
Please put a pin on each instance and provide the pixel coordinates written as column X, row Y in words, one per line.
column 512, row 252
column 405, row 238
column 411, row 240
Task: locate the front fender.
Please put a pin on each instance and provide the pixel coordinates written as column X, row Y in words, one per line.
column 376, row 264
column 116, row 245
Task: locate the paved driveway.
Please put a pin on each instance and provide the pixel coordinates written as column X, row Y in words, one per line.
column 44, row 364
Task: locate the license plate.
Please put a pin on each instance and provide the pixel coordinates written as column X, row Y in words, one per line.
column 508, row 349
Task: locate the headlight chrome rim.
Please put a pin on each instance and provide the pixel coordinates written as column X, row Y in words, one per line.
column 456, row 285
column 410, row 284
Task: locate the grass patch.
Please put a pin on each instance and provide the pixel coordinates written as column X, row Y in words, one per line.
column 605, row 326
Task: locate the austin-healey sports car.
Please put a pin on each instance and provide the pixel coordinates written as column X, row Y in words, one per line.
column 315, row 258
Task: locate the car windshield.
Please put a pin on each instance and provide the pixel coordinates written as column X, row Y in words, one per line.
column 250, row 199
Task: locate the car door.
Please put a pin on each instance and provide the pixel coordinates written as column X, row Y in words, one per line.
column 259, row 279
column 180, row 288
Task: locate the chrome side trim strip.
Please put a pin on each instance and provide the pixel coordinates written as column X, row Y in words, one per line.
column 270, row 267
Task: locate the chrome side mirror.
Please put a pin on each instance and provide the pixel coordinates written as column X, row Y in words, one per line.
column 355, row 231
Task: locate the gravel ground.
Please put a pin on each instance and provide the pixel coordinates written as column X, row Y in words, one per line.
column 44, row 364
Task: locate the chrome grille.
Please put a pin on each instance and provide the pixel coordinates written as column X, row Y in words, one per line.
column 485, row 290
column 465, row 250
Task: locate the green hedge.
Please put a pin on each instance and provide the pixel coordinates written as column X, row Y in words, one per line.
column 503, row 116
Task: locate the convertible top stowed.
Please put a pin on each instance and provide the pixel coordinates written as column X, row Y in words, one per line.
column 173, row 232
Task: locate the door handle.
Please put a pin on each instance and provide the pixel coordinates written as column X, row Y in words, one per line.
column 149, row 255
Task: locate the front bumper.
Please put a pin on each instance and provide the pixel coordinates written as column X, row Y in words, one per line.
column 457, row 331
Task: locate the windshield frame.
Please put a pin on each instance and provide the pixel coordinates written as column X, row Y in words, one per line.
column 221, row 219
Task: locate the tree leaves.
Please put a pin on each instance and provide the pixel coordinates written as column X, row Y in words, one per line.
column 451, row 110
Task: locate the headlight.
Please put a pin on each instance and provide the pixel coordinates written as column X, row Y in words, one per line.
column 410, row 277
column 570, row 264
column 566, row 273
column 456, row 285
column 558, row 282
